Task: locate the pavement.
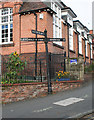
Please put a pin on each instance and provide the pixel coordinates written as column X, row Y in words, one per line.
column 89, row 116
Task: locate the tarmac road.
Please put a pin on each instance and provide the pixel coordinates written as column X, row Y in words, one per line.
column 68, row 104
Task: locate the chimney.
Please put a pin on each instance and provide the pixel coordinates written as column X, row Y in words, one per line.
column 91, row 32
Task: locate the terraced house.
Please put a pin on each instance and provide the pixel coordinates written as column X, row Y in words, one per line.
column 18, row 19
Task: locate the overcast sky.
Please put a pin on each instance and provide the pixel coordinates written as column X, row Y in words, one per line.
column 83, row 10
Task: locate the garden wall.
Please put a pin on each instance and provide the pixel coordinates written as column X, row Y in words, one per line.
column 75, row 66
column 23, row 91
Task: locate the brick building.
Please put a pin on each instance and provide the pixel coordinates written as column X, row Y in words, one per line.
column 93, row 47
column 17, row 19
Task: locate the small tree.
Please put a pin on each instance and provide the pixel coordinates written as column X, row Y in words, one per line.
column 14, row 66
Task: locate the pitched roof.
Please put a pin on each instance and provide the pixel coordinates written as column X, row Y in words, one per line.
column 32, row 6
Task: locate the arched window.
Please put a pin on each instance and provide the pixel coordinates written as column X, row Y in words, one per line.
column 6, row 25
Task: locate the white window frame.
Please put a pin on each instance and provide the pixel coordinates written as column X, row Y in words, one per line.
column 91, row 51
column 86, row 48
column 9, row 22
column 57, row 28
column 71, row 38
column 80, row 44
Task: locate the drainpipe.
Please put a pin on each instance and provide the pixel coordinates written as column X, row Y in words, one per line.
column 85, row 50
column 78, row 44
column 68, row 39
column 36, row 46
column 90, row 52
column 20, row 33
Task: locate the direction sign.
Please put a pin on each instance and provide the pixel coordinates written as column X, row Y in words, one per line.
column 32, row 39
column 38, row 32
column 43, row 39
column 56, row 39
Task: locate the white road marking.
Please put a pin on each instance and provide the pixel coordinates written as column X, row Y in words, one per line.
column 85, row 96
column 42, row 110
column 12, row 110
column 68, row 101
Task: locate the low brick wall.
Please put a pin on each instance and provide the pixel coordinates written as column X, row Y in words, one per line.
column 19, row 92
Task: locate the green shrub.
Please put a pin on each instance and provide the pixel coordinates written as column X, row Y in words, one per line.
column 90, row 67
column 14, row 66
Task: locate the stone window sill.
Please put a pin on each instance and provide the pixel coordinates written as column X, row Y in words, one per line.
column 87, row 57
column 6, row 44
column 80, row 54
column 59, row 46
column 72, row 51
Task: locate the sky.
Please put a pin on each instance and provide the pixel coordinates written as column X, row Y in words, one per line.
column 83, row 10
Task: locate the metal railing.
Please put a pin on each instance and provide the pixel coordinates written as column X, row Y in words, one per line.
column 56, row 63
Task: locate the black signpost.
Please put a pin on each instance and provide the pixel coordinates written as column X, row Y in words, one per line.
column 47, row 62
column 43, row 39
column 46, row 40
column 37, row 32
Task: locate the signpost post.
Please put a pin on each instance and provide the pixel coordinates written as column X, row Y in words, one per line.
column 46, row 40
column 47, row 62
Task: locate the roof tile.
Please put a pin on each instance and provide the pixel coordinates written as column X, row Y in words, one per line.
column 32, row 6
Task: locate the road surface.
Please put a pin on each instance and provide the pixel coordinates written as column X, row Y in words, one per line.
column 68, row 104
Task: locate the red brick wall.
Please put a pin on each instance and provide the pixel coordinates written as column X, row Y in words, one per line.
column 16, row 34
column 75, row 42
column 45, row 23
column 33, row 90
column 72, row 55
column 83, row 48
column 22, row 27
column 65, row 35
column 87, row 59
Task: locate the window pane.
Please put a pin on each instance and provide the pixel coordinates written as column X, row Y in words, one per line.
column 2, row 26
column 11, row 18
column 6, row 35
column 6, row 30
column 10, row 34
column 11, row 25
column 2, row 40
column 3, row 36
column 2, row 31
column 11, row 30
column 5, row 11
column 11, row 10
column 6, row 26
column 6, row 40
column 11, row 39
column 5, row 19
